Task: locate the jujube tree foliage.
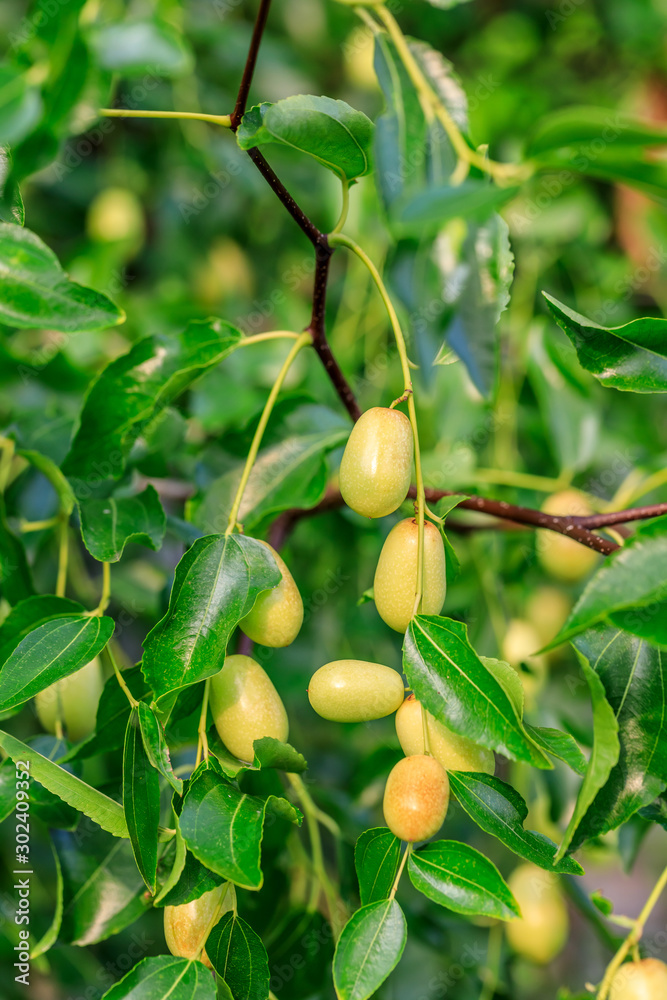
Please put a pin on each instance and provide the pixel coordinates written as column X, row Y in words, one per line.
column 510, row 623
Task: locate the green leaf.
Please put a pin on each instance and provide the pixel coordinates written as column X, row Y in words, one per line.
column 377, row 855
column 238, row 956
column 499, row 810
column 11, row 202
column 103, row 891
column 50, row 936
column 141, row 802
column 270, row 752
column 164, row 977
column 560, row 745
column 460, row 878
column 331, row 131
column 156, row 747
column 134, row 48
column 425, row 213
column 50, row 652
column 28, row 614
column 449, row 678
column 192, row 882
column 635, row 686
column 369, row 948
column 631, row 357
column 177, row 867
column 223, row 827
column 616, row 166
column 98, row 806
column 36, row 292
column 578, row 125
column 113, row 712
column 51, row 809
column 605, row 754
column 20, row 105
column 108, row 525
column 215, row 585
column 633, row 578
column 131, row 391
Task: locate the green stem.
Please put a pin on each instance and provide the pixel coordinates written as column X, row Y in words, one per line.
column 492, row 968
column 119, row 677
column 633, row 937
column 202, row 742
column 50, row 522
column 258, row 338
column 341, row 240
column 63, row 557
column 406, row 854
column 523, row 480
column 106, row 590
column 345, row 207
column 301, row 341
column 224, row 120
column 7, row 447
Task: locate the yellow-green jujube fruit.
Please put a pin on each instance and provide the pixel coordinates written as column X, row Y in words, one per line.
column 454, row 752
column 541, row 931
column 377, row 462
column 73, row 700
column 560, row 556
column 644, row 980
column 395, row 585
column 509, row 680
column 416, row 797
column 246, row 706
column 115, row 215
column 355, row 691
column 547, row 609
column 277, row 614
column 187, row 926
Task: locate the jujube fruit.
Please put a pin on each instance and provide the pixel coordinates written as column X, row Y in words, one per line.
column 376, row 466
column 115, row 214
column 541, row 931
column 73, row 700
column 559, row 555
column 454, row 752
column 395, row 586
column 355, row 691
column 416, row 797
column 644, row 980
column 547, row 610
column 246, row 706
column 187, row 926
column 277, row 615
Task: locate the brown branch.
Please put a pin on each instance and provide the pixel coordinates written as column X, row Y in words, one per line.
column 303, row 222
column 250, row 63
column 622, row 516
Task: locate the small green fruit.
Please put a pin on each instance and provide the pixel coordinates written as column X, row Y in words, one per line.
column 560, row 556
column 186, row 927
column 416, row 798
column 645, row 980
column 541, row 932
column 277, row 614
column 395, row 586
column 115, row 215
column 355, row 691
column 246, row 706
column 454, row 752
column 377, row 462
column 73, row 700
column 547, row 610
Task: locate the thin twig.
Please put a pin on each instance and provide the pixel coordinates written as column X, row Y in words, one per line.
column 250, row 63
column 309, row 228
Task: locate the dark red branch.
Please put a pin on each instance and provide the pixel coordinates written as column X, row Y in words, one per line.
column 250, row 63
column 622, row 516
column 277, row 186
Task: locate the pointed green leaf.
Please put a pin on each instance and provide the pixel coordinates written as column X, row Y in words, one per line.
column 141, row 802
column 369, row 948
column 164, row 977
column 272, row 753
column 560, row 745
column 460, row 878
column 28, row 614
column 499, row 810
column 156, row 747
column 377, row 854
column 448, row 677
column 425, row 213
column 192, row 882
column 108, row 525
column 238, row 956
column 579, row 125
column 50, row 936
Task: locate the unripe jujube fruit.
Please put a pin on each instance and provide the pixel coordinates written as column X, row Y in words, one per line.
column 246, row 706
column 509, row 680
column 377, row 462
column 416, row 797
column 277, row 615
column 355, row 691
column 187, row 926
column 547, row 610
column 115, row 214
column 454, row 752
column 645, row 980
column 560, row 556
column 73, row 700
column 541, row 931
column 395, row 586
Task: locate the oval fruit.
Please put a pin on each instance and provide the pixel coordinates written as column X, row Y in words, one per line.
column 645, row 980
column 355, row 691
column 377, row 462
column 547, row 610
column 115, row 214
column 246, row 706
column 454, row 752
column 416, row 797
column 541, row 932
column 509, row 680
column 560, row 556
column 395, row 586
column 73, row 700
column 277, row 614
column 186, row 927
